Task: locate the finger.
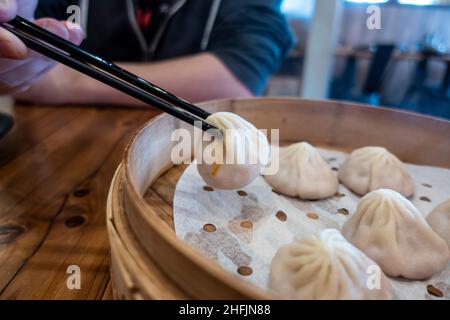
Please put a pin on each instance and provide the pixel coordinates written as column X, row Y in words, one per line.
column 25, row 86
column 8, row 10
column 11, row 47
column 5, row 89
column 6, row 65
column 54, row 26
column 11, row 91
column 26, row 72
column 76, row 33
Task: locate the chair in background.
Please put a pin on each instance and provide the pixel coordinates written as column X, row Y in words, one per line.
column 372, row 87
column 445, row 87
column 424, row 98
column 343, row 87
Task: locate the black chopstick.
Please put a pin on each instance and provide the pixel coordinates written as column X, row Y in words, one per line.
column 58, row 49
column 78, row 53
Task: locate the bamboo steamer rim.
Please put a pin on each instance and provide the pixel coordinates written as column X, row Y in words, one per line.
column 166, row 233
column 134, row 274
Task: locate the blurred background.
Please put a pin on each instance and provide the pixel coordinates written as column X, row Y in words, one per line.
column 342, row 53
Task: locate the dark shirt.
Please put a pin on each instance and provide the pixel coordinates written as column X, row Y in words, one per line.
column 251, row 37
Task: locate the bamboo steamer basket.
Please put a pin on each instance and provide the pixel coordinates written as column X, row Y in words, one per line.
column 148, row 261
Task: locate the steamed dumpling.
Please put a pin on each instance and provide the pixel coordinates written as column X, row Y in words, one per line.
column 303, row 173
column 390, row 230
column 325, row 266
column 372, row 168
column 439, row 220
column 238, row 157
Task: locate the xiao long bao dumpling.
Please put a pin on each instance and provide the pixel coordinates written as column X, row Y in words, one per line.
column 326, row 266
column 236, row 158
column 439, row 220
column 372, row 168
column 303, row 173
column 390, row 230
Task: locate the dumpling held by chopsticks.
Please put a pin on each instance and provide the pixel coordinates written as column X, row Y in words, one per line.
column 236, row 158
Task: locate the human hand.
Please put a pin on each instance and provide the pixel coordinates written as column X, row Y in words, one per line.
column 20, row 67
column 61, row 85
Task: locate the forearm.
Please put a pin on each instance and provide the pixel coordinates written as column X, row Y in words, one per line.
column 196, row 78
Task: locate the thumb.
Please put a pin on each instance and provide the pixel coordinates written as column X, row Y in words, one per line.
column 11, row 47
column 8, row 10
column 76, row 34
column 66, row 30
column 54, row 26
column 63, row 29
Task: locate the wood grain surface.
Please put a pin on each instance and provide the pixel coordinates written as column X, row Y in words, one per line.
column 55, row 170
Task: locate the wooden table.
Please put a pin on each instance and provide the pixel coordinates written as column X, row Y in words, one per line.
column 55, row 170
